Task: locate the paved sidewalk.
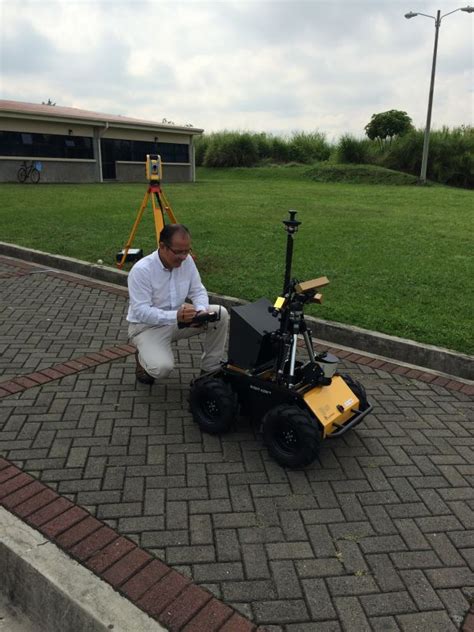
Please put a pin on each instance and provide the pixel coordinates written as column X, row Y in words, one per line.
column 377, row 535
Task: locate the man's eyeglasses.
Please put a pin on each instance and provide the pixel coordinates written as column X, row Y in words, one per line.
column 179, row 253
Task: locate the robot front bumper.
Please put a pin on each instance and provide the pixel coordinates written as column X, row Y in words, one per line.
column 336, row 406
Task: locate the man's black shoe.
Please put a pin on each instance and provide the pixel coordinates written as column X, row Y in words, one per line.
column 140, row 373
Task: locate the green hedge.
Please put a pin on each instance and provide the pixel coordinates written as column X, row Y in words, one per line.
column 246, row 149
column 353, row 150
column 450, row 158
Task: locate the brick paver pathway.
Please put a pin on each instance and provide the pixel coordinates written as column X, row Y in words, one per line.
column 377, row 535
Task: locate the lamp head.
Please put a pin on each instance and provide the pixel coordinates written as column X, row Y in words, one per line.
column 468, row 9
column 410, row 14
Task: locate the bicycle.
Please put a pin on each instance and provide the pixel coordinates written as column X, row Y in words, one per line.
column 28, row 171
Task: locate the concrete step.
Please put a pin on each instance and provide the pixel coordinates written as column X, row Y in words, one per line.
column 54, row 592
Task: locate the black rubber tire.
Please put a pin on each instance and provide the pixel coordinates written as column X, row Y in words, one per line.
column 21, row 174
column 357, row 388
column 292, row 436
column 213, row 405
column 35, row 176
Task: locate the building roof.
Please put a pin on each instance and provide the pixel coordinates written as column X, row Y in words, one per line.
column 61, row 113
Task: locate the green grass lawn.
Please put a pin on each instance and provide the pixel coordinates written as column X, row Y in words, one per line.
column 399, row 258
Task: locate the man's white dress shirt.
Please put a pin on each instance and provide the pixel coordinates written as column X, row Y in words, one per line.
column 156, row 292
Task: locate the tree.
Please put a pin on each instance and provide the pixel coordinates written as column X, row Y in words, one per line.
column 387, row 125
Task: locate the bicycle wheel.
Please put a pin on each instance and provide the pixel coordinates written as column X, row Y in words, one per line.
column 21, row 174
column 35, row 175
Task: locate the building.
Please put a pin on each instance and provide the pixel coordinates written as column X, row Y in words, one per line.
column 73, row 145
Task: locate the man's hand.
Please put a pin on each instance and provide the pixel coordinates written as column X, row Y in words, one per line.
column 185, row 313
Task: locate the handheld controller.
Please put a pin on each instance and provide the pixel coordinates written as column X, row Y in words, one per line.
column 200, row 319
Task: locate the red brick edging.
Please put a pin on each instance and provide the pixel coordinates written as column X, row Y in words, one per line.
column 21, row 383
column 161, row 592
column 468, row 625
column 56, row 371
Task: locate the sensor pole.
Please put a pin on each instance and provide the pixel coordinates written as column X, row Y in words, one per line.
column 288, row 328
column 291, row 226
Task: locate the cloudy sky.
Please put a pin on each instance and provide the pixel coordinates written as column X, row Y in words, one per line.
column 260, row 65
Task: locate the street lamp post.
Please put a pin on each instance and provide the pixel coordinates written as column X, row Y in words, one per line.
column 426, row 142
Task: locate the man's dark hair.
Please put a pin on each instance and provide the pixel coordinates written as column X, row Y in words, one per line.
column 169, row 230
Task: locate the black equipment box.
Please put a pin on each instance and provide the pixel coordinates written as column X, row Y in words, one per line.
column 133, row 254
column 250, row 344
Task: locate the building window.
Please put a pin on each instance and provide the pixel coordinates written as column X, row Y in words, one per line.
column 136, row 150
column 45, row 145
column 173, row 152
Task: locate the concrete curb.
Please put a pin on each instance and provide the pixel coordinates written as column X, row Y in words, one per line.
column 56, row 592
column 95, row 271
column 407, row 351
column 60, row 593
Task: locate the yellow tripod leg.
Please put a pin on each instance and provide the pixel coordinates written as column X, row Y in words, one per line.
column 129, row 243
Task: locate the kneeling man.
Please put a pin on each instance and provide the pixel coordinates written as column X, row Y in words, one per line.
column 158, row 287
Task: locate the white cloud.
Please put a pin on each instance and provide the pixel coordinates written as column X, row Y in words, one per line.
column 258, row 64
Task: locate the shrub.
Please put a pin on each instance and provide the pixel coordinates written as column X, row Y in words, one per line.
column 264, row 145
column 280, row 150
column 231, row 149
column 450, row 156
column 352, row 150
column 201, row 144
column 308, row 148
column 405, row 153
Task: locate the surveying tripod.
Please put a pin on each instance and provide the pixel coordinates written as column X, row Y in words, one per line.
column 160, row 206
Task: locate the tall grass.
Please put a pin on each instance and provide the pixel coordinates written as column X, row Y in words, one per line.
column 353, row 150
column 231, row 149
column 246, row 149
column 308, row 148
column 450, row 159
column 450, row 156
